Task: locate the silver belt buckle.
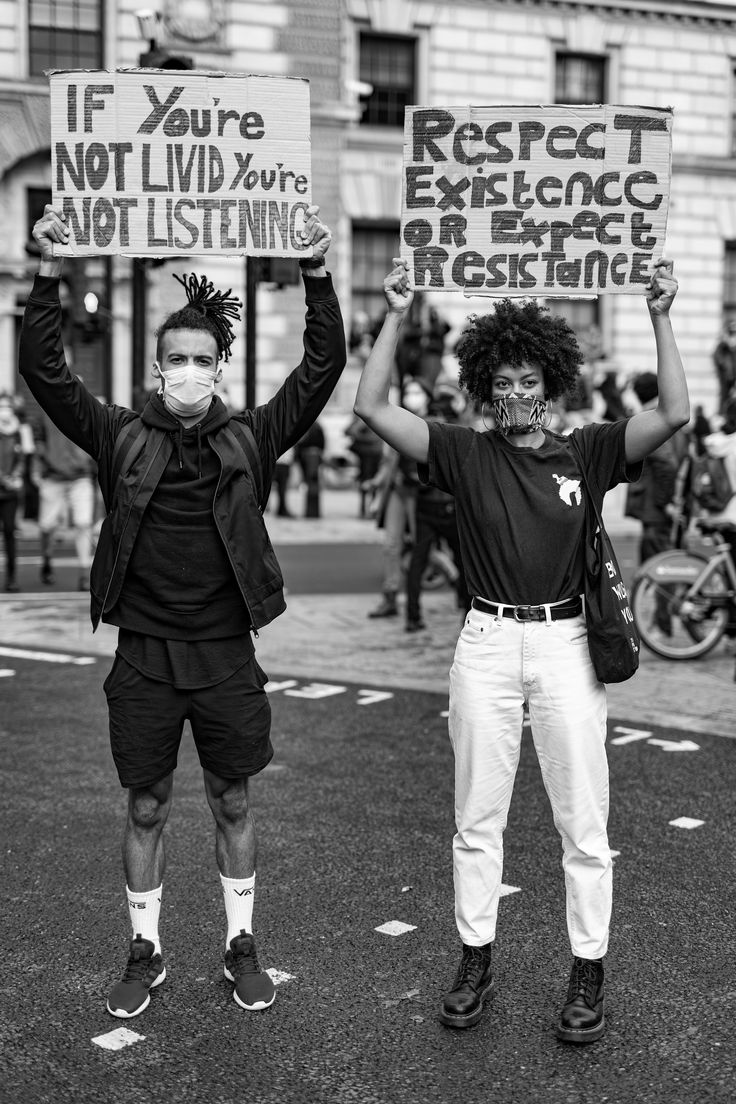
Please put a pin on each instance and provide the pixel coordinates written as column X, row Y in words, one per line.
column 516, row 613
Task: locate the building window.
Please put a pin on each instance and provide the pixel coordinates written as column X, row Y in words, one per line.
column 580, row 79
column 64, row 34
column 388, row 65
column 374, row 247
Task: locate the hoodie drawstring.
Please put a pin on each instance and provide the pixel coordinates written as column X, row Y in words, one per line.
column 180, row 443
column 199, row 451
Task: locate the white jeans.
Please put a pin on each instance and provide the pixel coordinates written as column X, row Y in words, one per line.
column 499, row 665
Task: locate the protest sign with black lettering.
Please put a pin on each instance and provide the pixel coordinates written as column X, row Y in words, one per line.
column 151, row 162
column 525, row 200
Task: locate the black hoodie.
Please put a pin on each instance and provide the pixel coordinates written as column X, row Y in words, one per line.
column 179, row 584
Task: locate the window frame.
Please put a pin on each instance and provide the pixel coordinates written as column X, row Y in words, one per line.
column 394, row 114
column 44, row 49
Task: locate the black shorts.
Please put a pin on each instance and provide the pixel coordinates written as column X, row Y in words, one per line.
column 231, row 724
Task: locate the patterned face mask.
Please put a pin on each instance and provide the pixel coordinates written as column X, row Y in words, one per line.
column 519, row 413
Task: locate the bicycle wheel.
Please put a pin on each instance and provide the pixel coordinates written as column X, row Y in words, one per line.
column 671, row 623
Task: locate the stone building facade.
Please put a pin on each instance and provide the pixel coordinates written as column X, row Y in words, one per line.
column 365, row 60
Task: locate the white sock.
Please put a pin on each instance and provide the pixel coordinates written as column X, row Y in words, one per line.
column 144, row 909
column 238, row 894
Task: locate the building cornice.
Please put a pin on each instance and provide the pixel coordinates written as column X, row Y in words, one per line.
column 704, row 13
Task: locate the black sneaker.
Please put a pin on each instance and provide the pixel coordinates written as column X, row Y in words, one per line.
column 415, row 626
column 144, row 971
column 463, row 1005
column 253, row 987
column 47, row 574
column 582, row 1019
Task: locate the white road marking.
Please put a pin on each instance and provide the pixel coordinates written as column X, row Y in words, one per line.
column 395, row 927
column 315, row 690
column 686, row 822
column 507, row 890
column 675, row 745
column 272, row 687
column 370, row 697
column 117, row 1039
column 278, row 977
column 47, row 657
column 6, row 672
column 630, row 734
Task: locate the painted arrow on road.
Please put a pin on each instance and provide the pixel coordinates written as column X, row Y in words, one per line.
column 675, row 745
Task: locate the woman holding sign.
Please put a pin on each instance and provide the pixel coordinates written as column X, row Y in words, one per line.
column 521, row 514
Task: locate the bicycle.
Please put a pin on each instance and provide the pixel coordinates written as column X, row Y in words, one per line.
column 683, row 601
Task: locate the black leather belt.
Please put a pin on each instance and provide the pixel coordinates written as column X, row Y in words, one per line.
column 570, row 607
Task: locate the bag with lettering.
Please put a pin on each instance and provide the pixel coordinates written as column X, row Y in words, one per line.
column 613, row 641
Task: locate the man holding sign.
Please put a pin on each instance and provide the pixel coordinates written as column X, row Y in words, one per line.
column 184, row 567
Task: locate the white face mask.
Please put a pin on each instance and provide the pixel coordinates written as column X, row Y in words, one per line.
column 188, row 391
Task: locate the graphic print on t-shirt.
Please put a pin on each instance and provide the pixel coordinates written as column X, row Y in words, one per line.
column 569, row 489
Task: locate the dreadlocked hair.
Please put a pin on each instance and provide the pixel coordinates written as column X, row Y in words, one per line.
column 206, row 309
column 517, row 333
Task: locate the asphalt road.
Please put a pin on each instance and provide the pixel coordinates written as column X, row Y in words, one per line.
column 329, row 568
column 355, row 822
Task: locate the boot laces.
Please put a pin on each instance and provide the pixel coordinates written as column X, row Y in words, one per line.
column 584, row 981
column 472, row 964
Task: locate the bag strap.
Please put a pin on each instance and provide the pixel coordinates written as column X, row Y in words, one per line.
column 133, row 435
column 242, row 437
column 581, row 466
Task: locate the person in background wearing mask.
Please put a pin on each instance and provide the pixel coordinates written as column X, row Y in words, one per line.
column 185, row 569
column 395, row 487
column 11, row 483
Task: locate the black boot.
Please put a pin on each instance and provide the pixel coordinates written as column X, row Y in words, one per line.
column 463, row 1005
column 582, row 1019
column 387, row 606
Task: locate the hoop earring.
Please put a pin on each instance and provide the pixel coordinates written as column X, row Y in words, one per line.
column 483, row 417
column 548, row 416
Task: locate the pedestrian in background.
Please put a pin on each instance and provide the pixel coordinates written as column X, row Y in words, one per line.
column 308, row 453
column 281, row 477
column 395, row 489
column 184, row 567
column 521, row 518
column 11, row 484
column 368, row 447
column 724, row 361
column 436, row 521
column 650, row 499
column 28, row 448
column 66, row 499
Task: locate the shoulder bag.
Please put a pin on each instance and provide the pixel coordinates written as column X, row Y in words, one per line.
column 612, row 637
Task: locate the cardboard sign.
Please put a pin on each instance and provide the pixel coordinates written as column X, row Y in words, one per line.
column 152, row 162
column 552, row 201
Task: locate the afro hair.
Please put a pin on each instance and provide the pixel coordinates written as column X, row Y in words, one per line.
column 517, row 333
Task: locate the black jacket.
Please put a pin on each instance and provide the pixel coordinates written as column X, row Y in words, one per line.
column 276, row 426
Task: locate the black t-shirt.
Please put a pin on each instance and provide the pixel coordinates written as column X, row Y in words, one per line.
column 520, row 511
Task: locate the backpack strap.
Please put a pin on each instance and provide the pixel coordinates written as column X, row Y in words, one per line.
column 244, row 440
column 128, row 444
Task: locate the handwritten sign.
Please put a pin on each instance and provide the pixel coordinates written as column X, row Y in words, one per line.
column 553, row 201
column 151, row 162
